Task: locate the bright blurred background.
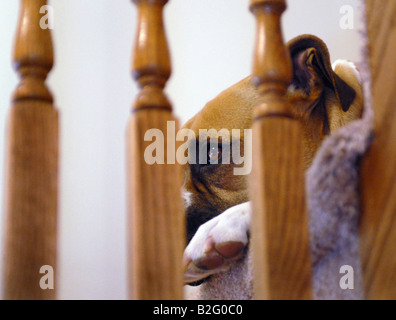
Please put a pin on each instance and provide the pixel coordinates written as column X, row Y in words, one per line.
column 211, row 43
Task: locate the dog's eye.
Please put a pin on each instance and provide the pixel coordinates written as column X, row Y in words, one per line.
column 214, row 155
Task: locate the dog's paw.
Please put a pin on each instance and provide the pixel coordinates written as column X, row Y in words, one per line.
column 217, row 244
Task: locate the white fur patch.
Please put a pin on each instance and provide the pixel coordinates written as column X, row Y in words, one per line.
column 291, row 89
column 348, row 64
column 186, row 195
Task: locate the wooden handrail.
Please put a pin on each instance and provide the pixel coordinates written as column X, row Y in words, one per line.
column 156, row 220
column 280, row 237
column 31, row 189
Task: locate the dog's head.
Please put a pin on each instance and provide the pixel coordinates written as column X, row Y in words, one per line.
column 323, row 98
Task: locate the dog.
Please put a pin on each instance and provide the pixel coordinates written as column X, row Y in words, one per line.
column 324, row 97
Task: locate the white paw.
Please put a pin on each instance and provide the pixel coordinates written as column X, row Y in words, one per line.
column 217, row 243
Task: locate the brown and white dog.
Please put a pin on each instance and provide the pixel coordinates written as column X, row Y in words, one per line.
column 324, row 98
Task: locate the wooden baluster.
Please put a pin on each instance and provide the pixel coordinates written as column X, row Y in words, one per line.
column 378, row 219
column 156, row 219
column 280, row 230
column 32, row 163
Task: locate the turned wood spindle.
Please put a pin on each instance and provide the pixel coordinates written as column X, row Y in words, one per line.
column 156, row 220
column 280, row 230
column 378, row 188
column 31, row 188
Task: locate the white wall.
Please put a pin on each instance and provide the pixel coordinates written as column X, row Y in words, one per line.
column 211, row 43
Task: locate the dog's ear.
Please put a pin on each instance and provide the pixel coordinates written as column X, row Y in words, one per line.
column 310, row 54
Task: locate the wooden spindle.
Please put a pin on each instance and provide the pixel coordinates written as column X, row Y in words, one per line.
column 378, row 216
column 280, row 235
column 32, row 163
column 156, row 219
